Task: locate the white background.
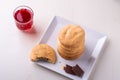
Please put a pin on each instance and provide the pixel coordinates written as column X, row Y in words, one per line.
column 15, row 45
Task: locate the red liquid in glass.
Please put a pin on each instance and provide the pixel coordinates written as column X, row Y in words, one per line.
column 23, row 19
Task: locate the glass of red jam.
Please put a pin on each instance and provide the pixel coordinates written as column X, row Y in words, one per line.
column 23, row 16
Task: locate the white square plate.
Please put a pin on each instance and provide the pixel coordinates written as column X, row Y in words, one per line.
column 94, row 42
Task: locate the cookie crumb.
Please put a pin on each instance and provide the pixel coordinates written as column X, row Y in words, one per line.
column 62, row 67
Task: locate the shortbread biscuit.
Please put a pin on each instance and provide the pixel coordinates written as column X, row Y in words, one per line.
column 68, row 57
column 71, row 35
column 73, row 52
column 43, row 52
column 71, row 49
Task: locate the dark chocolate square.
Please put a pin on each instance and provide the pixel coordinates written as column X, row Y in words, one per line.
column 68, row 69
column 77, row 70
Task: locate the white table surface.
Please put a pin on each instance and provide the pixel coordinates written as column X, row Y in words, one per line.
column 15, row 46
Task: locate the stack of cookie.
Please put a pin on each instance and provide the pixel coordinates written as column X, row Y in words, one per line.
column 71, row 41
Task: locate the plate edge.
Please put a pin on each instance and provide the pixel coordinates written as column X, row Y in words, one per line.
column 104, row 39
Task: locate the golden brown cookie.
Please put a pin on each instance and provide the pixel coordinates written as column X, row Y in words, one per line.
column 71, row 49
column 43, row 52
column 68, row 57
column 72, row 52
column 71, row 35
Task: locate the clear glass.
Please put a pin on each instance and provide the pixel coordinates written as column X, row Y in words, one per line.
column 23, row 16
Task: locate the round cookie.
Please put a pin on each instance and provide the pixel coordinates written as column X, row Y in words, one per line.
column 43, row 52
column 71, row 49
column 68, row 53
column 68, row 57
column 71, row 53
column 70, row 35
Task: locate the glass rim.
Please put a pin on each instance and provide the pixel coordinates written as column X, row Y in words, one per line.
column 26, row 7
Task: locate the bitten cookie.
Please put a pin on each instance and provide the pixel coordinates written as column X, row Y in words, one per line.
column 43, row 52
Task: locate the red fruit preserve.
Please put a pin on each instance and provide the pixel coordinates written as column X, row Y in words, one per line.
column 23, row 17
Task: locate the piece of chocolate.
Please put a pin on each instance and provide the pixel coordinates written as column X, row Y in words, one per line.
column 77, row 70
column 68, row 69
column 74, row 70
